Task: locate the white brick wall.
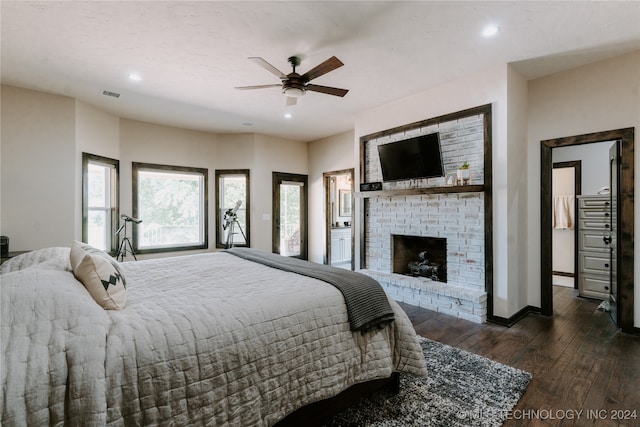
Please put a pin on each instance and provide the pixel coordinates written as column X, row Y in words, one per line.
column 458, row 217
column 460, row 140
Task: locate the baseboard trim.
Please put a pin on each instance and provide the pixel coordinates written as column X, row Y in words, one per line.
column 510, row 321
column 525, row 311
column 633, row 331
column 560, row 273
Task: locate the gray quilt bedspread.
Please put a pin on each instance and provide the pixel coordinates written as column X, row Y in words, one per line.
column 208, row 339
column 367, row 304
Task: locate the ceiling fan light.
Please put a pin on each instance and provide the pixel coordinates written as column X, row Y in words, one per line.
column 294, row 92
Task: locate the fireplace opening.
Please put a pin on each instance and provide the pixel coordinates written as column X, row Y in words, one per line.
column 420, row 256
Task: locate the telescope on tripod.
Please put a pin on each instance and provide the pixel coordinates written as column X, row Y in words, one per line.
column 231, row 222
column 125, row 244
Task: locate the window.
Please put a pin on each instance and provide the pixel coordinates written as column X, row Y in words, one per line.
column 232, row 208
column 289, row 227
column 171, row 201
column 100, row 193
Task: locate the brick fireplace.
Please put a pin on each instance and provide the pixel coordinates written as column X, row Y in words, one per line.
column 459, row 219
column 423, row 215
column 420, row 256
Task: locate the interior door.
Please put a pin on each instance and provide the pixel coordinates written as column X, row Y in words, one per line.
column 612, row 237
column 289, row 233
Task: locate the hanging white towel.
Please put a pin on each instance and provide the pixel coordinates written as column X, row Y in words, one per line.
column 563, row 212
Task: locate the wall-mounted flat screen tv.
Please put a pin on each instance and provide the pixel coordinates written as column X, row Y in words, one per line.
column 418, row 157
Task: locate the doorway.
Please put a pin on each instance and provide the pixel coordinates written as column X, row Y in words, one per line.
column 338, row 190
column 566, row 186
column 289, row 228
column 625, row 219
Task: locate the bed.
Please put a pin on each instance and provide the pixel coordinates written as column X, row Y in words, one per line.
column 207, row 339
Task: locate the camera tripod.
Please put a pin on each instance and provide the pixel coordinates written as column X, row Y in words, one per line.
column 231, row 222
column 125, row 244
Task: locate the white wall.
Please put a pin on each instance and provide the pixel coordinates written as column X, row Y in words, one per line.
column 325, row 155
column 262, row 155
column 272, row 155
column 597, row 97
column 43, row 137
column 240, row 154
column 563, row 239
column 38, row 169
column 151, row 143
column 594, row 163
column 516, row 204
column 97, row 133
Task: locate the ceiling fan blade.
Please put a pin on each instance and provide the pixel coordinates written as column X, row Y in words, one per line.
column 257, row 87
column 270, row 68
column 328, row 90
column 291, row 101
column 328, row 65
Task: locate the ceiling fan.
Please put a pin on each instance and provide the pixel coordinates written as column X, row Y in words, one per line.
column 295, row 85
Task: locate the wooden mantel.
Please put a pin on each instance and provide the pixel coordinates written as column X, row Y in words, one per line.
column 422, row 190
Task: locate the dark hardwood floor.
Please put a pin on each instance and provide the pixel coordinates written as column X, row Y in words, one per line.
column 578, row 359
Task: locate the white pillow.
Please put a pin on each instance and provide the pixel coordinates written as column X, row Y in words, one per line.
column 54, row 258
column 100, row 274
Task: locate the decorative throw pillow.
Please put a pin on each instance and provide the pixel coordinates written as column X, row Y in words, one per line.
column 100, row 274
column 79, row 250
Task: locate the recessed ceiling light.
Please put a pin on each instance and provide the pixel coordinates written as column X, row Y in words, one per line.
column 288, row 115
column 490, row 30
column 135, row 77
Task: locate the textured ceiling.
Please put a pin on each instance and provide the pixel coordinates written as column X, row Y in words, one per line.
column 191, row 55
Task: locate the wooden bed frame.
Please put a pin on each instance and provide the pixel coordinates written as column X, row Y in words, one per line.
column 316, row 413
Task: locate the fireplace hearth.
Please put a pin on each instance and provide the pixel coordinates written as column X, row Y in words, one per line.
column 420, row 256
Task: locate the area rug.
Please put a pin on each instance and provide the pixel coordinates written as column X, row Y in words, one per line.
column 462, row 389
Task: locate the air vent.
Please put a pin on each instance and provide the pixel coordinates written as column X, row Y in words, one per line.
column 109, row 93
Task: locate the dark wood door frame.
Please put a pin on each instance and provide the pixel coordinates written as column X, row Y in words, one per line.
column 577, row 190
column 625, row 220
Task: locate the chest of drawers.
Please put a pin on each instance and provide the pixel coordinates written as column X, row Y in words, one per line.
column 594, row 263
